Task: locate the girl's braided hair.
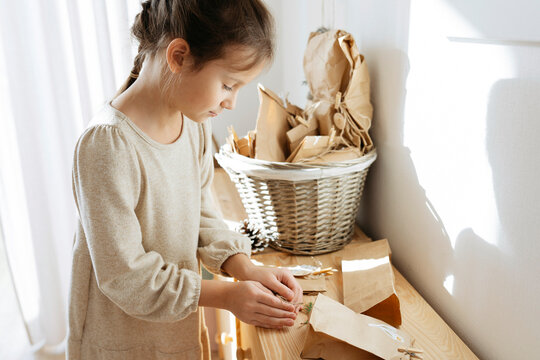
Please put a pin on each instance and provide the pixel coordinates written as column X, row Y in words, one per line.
column 208, row 26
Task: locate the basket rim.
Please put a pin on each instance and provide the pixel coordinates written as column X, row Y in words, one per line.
column 290, row 171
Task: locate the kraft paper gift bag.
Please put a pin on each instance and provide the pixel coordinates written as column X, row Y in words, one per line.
column 243, row 146
column 325, row 68
column 297, row 133
column 310, row 286
column 272, row 127
column 368, row 282
column 312, row 146
column 336, row 156
column 357, row 94
column 252, row 136
column 338, row 333
column 339, row 83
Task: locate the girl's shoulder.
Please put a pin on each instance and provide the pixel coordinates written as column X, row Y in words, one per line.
column 205, row 139
column 104, row 134
column 107, row 116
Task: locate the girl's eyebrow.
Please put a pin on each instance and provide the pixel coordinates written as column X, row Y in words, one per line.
column 239, row 82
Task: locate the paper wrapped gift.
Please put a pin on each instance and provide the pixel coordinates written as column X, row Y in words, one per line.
column 339, row 333
column 368, row 282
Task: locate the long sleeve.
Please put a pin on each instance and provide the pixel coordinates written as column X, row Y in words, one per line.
column 216, row 242
column 107, row 184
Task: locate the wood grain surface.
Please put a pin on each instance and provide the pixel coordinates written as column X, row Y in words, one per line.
column 429, row 330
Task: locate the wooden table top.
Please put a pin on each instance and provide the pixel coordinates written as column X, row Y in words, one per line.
column 419, row 320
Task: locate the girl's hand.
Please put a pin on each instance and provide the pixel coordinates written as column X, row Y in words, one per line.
column 254, row 304
column 280, row 281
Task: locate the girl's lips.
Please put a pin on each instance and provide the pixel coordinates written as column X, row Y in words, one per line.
column 212, row 113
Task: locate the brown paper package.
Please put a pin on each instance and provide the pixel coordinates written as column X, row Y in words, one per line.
column 368, row 282
column 312, row 285
column 296, row 134
column 344, row 88
column 310, row 146
column 323, row 55
column 272, row 127
column 338, row 333
column 335, row 156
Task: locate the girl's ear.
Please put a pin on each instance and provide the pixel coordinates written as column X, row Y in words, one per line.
column 177, row 53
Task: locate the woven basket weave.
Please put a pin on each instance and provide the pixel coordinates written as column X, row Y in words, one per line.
column 305, row 209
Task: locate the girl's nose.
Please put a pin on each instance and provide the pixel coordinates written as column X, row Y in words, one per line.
column 230, row 102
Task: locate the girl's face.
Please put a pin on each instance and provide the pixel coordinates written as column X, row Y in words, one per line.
column 206, row 93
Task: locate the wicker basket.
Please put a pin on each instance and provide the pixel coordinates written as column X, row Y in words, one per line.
column 305, row 209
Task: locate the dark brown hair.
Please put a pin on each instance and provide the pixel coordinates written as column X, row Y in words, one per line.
column 208, row 26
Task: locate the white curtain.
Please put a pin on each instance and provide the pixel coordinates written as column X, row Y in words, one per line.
column 60, row 60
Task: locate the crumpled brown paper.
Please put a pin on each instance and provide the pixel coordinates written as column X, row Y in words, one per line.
column 339, row 83
column 338, row 333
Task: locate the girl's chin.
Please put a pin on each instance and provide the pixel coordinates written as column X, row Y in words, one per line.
column 200, row 119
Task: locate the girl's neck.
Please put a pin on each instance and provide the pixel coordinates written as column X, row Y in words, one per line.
column 145, row 105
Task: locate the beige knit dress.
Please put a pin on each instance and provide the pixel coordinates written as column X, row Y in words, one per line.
column 145, row 219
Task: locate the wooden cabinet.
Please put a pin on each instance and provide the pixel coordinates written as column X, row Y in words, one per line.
column 249, row 343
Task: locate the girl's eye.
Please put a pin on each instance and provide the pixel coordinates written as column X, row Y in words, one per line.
column 227, row 88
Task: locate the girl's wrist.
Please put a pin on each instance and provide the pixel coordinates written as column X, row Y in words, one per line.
column 239, row 266
column 216, row 294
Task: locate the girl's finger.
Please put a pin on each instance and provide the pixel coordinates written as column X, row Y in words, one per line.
column 265, row 289
column 281, row 289
column 289, row 280
column 259, row 324
column 272, row 321
column 275, row 302
column 274, row 312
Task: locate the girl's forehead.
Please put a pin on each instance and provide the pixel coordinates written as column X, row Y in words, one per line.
column 240, row 59
column 238, row 77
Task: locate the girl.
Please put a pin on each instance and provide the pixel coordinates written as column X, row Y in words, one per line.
column 141, row 178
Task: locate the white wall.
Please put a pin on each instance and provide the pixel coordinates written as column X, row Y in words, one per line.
column 455, row 89
column 454, row 188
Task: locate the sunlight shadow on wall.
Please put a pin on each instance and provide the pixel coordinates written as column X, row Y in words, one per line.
column 449, row 284
column 445, row 122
